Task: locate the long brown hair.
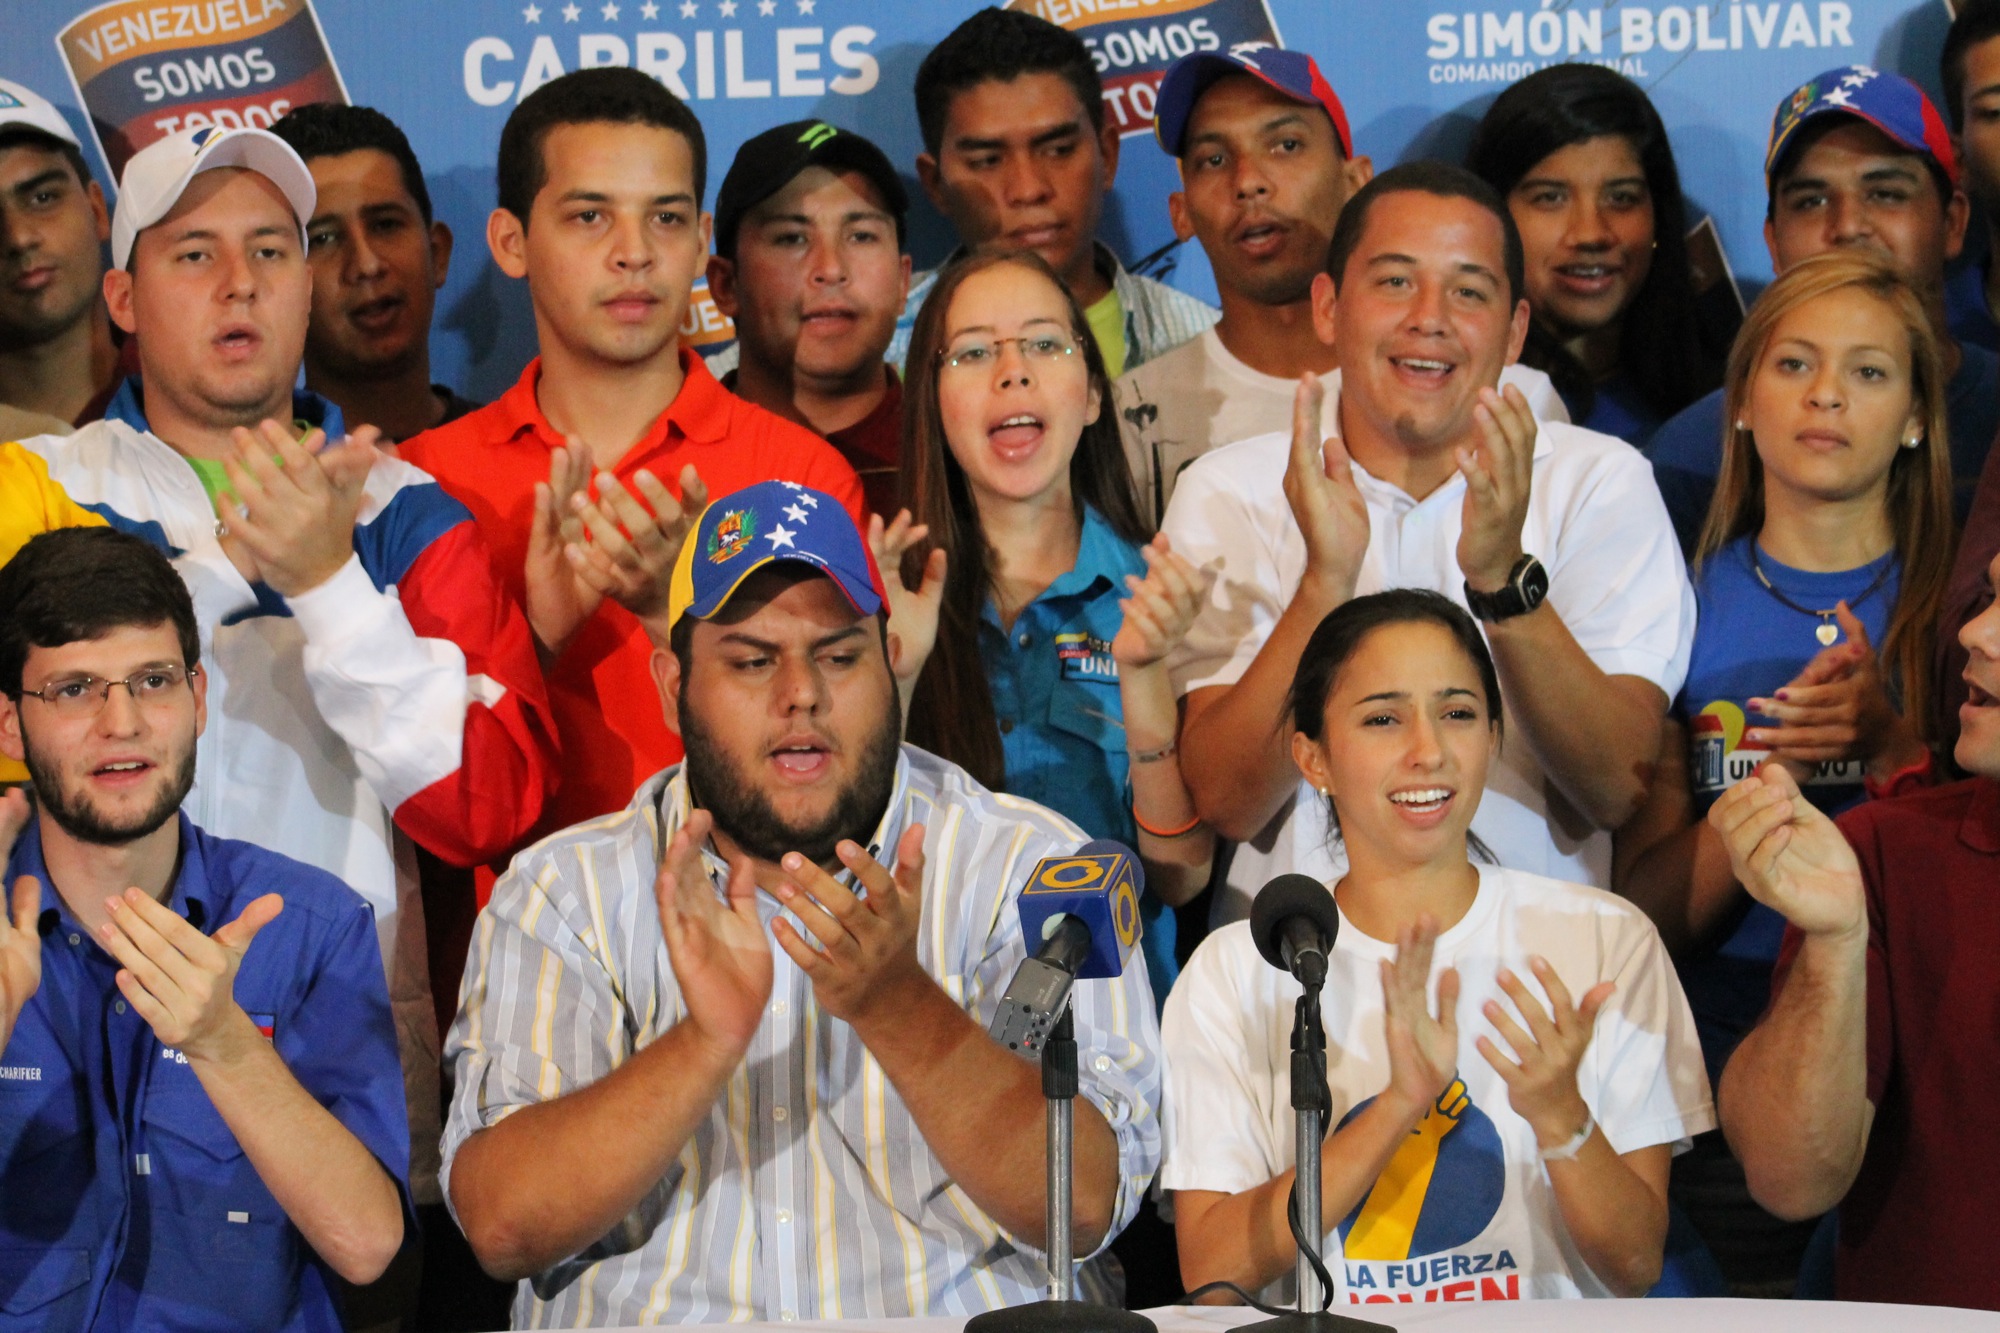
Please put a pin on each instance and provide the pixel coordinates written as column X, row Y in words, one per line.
column 1919, row 499
column 951, row 706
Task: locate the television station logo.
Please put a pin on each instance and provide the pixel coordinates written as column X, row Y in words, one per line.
column 145, row 69
column 1133, row 41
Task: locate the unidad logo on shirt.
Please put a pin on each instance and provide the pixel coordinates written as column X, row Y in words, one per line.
column 1404, row 1241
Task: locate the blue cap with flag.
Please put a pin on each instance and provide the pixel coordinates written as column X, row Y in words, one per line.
column 746, row 530
column 1889, row 102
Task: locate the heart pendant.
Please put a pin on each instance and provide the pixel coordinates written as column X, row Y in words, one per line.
column 1827, row 632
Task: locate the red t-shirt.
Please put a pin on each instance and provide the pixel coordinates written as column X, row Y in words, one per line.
column 607, row 708
column 1917, row 1228
column 874, row 445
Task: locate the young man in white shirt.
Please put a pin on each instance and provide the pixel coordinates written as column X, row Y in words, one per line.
column 1429, row 476
column 1267, row 164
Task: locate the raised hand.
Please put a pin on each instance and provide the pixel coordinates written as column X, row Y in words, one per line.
column 1789, row 856
column 1161, row 608
column 557, row 601
column 913, row 616
column 181, row 981
column 1423, row 1048
column 1838, row 708
column 720, row 955
column 288, row 517
column 20, row 955
column 1325, row 502
column 1499, row 472
column 867, row 947
column 1541, row 1078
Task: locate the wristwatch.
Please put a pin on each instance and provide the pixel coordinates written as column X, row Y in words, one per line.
column 1526, row 587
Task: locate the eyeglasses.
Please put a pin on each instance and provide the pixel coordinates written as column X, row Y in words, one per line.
column 1042, row 348
column 83, row 696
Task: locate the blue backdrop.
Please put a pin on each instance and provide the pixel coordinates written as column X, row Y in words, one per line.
column 1415, row 76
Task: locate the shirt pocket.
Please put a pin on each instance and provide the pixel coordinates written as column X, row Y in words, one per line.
column 223, row 1254
column 46, row 1159
column 1090, row 710
column 43, row 1288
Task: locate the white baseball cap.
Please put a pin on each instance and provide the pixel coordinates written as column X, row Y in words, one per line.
column 160, row 173
column 27, row 110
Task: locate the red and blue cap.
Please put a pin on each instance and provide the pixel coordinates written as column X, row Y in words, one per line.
column 1292, row 73
column 759, row 525
column 1889, row 102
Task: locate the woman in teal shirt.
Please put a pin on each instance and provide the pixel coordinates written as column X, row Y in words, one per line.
column 1048, row 679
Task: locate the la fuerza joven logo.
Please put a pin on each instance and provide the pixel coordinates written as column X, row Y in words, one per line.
column 1411, row 1236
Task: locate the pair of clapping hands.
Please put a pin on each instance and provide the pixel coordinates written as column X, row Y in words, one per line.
column 1543, row 1050
column 861, row 959
column 585, row 547
column 1838, row 708
column 180, row 981
column 287, row 519
column 1332, row 514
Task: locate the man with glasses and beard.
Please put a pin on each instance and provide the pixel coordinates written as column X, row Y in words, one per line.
column 792, row 1109
column 201, row 1108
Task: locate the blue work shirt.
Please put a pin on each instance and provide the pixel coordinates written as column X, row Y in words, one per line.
column 1062, row 724
column 127, row 1202
column 1687, row 450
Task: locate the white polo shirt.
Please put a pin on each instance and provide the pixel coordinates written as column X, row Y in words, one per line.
column 1465, row 1210
column 1616, row 577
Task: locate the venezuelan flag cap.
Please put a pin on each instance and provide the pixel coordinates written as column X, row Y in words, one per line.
column 746, row 530
column 1293, row 74
column 1889, row 102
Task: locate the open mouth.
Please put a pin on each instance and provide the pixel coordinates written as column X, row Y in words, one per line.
column 238, row 341
column 1426, row 372
column 122, row 772
column 1588, row 279
column 1975, row 697
column 1016, row 436
column 1261, row 238
column 1036, row 237
column 802, row 761
column 378, row 315
column 1422, row 800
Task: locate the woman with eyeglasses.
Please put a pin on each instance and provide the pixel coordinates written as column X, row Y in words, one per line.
column 1049, row 676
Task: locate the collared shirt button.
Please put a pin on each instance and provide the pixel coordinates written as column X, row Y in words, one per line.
column 780, row 1007
column 784, row 1216
column 118, row 1006
column 1026, row 640
column 75, row 938
column 787, row 1316
column 779, row 1113
column 1006, row 725
column 1101, row 1063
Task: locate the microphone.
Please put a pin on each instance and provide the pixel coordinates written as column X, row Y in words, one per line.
column 1083, row 908
column 1294, row 922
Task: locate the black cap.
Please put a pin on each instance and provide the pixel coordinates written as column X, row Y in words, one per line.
column 769, row 162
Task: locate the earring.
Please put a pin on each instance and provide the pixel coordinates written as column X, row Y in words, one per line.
column 1741, row 424
column 1912, row 441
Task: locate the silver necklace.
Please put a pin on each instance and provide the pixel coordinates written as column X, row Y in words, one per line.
column 1826, row 631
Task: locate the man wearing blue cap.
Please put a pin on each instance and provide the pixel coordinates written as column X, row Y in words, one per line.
column 722, row 1129
column 1857, row 157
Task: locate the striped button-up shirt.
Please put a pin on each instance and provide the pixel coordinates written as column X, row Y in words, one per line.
column 808, row 1192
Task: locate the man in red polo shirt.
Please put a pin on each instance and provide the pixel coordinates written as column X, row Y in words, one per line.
column 601, row 178
column 1871, row 1081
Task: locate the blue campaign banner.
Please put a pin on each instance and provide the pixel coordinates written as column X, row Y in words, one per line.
column 1415, row 76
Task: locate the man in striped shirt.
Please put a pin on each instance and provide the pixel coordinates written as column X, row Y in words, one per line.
column 722, row 1055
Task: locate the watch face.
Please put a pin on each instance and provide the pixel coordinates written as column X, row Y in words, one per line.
column 1534, row 584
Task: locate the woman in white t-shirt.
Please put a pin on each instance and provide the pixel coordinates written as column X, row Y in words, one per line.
column 1522, row 1154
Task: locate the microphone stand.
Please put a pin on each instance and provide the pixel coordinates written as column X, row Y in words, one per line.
column 1311, row 1104
column 1061, row 1312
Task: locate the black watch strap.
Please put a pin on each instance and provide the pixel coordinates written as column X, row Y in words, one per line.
column 1527, row 587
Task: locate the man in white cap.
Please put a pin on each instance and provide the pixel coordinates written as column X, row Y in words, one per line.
column 58, row 359
column 368, row 681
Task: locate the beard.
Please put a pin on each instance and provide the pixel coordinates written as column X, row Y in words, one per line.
column 75, row 815
column 716, row 783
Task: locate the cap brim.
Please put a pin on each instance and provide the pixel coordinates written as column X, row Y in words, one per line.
column 865, row 602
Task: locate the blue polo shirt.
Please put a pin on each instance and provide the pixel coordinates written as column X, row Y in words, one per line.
column 127, row 1202
column 1062, row 725
column 1687, row 450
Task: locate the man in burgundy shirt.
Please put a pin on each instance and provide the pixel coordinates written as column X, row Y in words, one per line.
column 1871, row 1081
column 810, row 263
